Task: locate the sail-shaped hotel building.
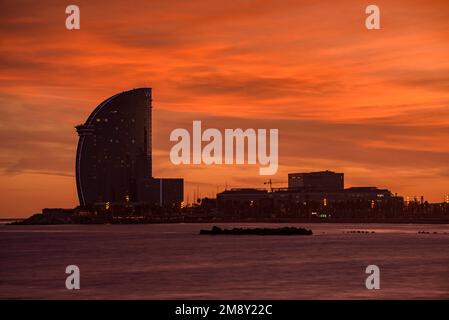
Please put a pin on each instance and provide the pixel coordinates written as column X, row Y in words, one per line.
column 114, row 154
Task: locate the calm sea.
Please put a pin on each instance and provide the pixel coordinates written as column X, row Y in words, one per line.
column 172, row 261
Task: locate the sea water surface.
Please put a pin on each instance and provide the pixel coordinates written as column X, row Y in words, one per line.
column 172, row 261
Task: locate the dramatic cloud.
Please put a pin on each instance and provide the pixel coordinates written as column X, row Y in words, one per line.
column 374, row 104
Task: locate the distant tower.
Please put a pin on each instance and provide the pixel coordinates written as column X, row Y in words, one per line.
column 114, row 149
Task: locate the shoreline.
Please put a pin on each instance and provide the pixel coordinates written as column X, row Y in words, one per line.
column 43, row 220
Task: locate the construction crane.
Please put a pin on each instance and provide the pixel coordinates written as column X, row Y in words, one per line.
column 271, row 182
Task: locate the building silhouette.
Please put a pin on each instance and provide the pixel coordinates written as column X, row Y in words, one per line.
column 114, row 154
column 319, row 181
column 309, row 194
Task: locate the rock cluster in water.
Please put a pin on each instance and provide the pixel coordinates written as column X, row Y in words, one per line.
column 285, row 231
column 360, row 231
column 427, row 232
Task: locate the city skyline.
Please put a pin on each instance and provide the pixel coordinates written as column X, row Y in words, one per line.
column 372, row 104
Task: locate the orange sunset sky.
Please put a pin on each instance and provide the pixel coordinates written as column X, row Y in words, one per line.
column 373, row 104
